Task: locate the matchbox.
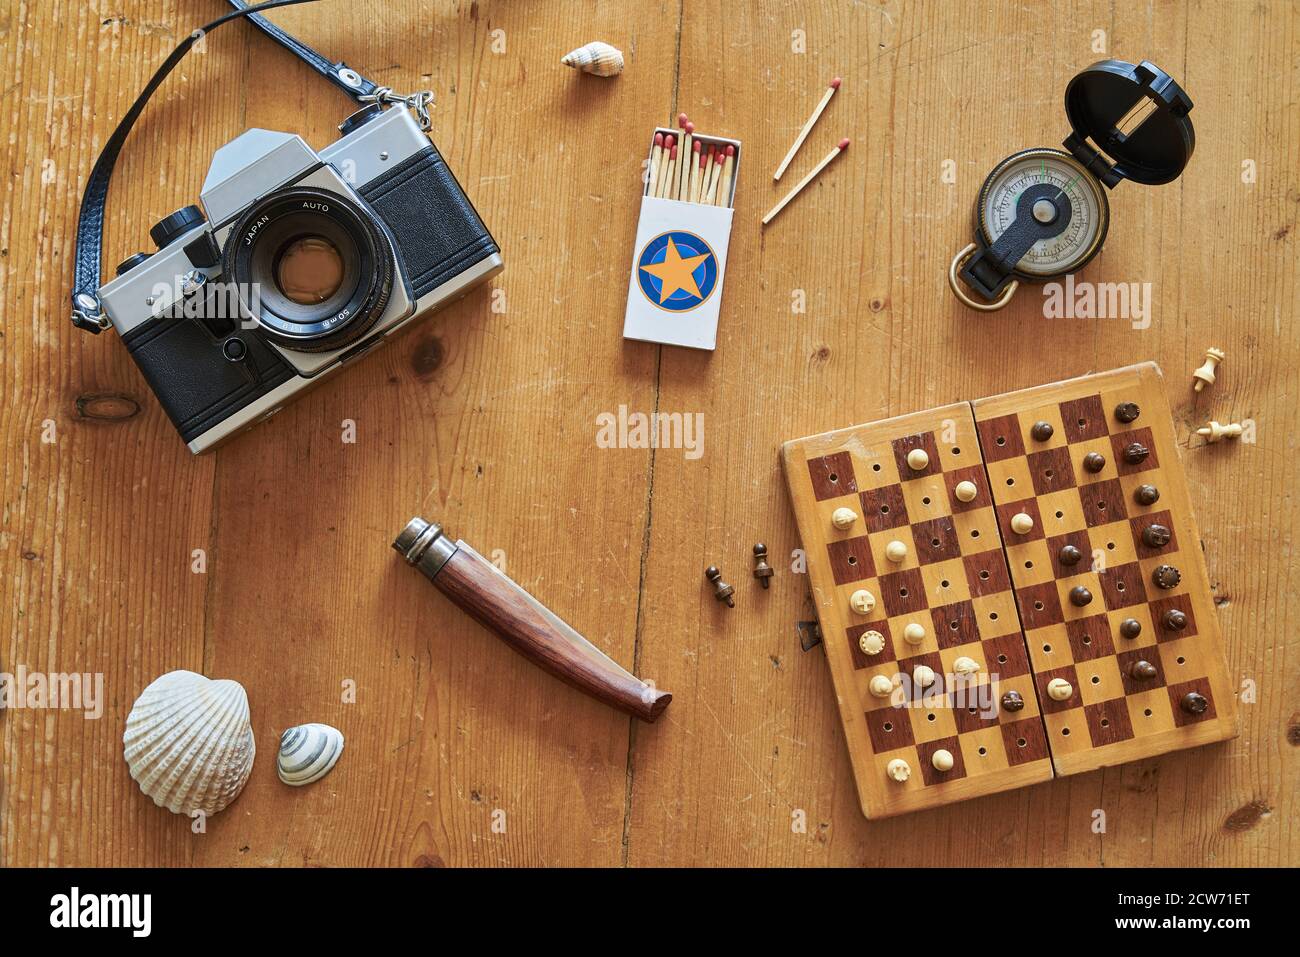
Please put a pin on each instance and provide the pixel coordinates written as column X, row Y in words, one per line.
column 679, row 260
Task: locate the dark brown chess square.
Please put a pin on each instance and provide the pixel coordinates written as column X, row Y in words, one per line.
column 929, row 772
column 936, row 540
column 883, row 508
column 1005, row 655
column 1161, row 605
column 1080, row 541
column 1039, row 605
column 889, row 729
column 851, row 559
column 972, row 715
column 922, row 440
column 1126, row 660
column 1008, row 511
column 1024, row 741
column 903, row 592
column 976, row 476
column 1090, row 638
column 1083, row 419
column 1176, row 692
column 861, row 660
column 1051, row 470
column 1140, row 523
column 1122, row 586
column 832, row 475
column 1000, row 438
column 1108, row 722
column 1103, row 502
column 1049, row 704
column 955, row 624
column 1121, row 441
column 986, row 573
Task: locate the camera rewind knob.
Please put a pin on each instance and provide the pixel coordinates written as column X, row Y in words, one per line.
column 174, row 225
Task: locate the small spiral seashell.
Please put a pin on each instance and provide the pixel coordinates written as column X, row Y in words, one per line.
column 307, row 753
column 596, row 57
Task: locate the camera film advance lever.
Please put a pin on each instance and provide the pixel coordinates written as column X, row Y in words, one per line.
column 529, row 627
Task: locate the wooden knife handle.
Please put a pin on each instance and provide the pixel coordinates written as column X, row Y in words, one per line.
column 496, row 602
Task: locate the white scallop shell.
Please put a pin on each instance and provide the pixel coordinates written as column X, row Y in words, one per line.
column 307, row 753
column 596, row 57
column 189, row 743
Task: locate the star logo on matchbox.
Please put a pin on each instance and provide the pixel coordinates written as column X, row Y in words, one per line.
column 677, row 271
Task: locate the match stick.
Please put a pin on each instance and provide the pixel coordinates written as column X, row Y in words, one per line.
column 670, row 184
column 656, row 152
column 684, row 173
column 662, row 180
column 711, row 198
column 728, row 170
column 696, row 161
column 807, row 127
column 844, row 144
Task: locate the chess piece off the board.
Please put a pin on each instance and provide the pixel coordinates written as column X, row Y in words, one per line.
column 762, row 570
column 1213, row 431
column 1205, row 374
column 721, row 590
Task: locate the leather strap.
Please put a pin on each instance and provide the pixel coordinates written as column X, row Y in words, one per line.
column 86, row 310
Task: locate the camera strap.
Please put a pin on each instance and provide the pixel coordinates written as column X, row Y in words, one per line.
column 87, row 313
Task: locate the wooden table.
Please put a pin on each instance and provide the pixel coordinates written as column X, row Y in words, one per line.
column 459, row 752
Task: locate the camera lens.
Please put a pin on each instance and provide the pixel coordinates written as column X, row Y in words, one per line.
column 309, row 270
column 313, row 268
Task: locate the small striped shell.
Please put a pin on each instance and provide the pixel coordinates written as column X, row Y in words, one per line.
column 307, row 753
column 188, row 742
column 596, row 57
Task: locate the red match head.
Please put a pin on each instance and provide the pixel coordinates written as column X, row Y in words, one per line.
column 689, row 127
column 704, row 159
column 672, row 153
column 659, row 139
column 681, row 119
column 669, row 140
column 844, row 143
column 696, row 146
column 731, row 150
column 717, row 157
column 835, row 83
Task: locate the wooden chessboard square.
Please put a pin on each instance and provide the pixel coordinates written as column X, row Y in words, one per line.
column 997, row 614
column 903, row 592
column 920, row 440
column 967, row 473
column 1122, row 440
column 1040, row 605
column 920, row 617
column 1125, row 661
column 1024, row 741
column 883, row 508
column 1084, row 419
column 1176, row 693
column 1102, row 502
column 1099, row 680
column 986, row 573
column 1067, row 733
column 1080, row 450
column 926, row 754
column 1140, row 523
column 931, row 719
column 850, row 560
column 945, row 582
column 873, row 467
column 1149, row 712
column 889, row 729
column 1049, row 413
column 1131, row 483
column 1006, row 512
column 1142, row 615
column 1122, row 586
column 1108, row 722
column 1009, row 479
column 955, row 624
column 977, row 530
column 860, row 658
column 1048, row 703
column 1006, row 656
column 1160, row 606
column 1112, row 544
column 880, row 541
column 1030, row 562
column 1051, row 471
column 926, row 499
column 1079, row 539
column 936, row 541
column 832, row 475
column 1049, row 647
column 984, row 751
column 1000, row 438
column 1179, row 660
column 1089, row 580
column 975, row 712
column 1089, row 637
column 1022, row 684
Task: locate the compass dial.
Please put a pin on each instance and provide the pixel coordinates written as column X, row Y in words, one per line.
column 1089, row 211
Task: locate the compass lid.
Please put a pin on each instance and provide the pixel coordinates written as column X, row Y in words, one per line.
column 1136, row 116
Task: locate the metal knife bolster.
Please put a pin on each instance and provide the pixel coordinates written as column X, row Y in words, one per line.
column 495, row 601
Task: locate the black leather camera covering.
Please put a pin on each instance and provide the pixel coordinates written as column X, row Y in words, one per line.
column 438, row 232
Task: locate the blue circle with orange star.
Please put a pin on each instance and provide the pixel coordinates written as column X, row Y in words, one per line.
column 677, row 271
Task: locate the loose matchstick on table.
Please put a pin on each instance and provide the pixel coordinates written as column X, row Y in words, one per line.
column 807, row 127
column 844, row 144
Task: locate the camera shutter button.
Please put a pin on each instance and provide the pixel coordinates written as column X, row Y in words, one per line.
column 174, row 225
column 234, row 349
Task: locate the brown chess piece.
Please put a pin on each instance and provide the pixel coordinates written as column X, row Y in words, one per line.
column 721, row 590
column 762, row 570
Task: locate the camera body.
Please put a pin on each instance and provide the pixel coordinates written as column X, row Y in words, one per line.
column 304, row 262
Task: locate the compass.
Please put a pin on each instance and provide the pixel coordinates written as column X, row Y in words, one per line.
column 1043, row 213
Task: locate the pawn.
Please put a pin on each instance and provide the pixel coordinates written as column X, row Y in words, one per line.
column 721, row 590
column 965, row 491
column 762, row 570
column 1080, row 596
column 1205, row 374
column 896, row 551
column 1021, row 523
column 942, row 760
column 918, row 460
column 1142, row 670
column 1146, row 495
column 1094, row 462
column 1041, row 431
column 1069, row 555
column 1214, row 431
column 1130, row 628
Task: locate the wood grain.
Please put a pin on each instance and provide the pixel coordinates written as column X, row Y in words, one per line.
column 459, row 752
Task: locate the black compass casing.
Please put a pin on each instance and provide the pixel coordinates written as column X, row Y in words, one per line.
column 1112, row 140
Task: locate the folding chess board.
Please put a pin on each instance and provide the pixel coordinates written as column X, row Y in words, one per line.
column 1023, row 597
